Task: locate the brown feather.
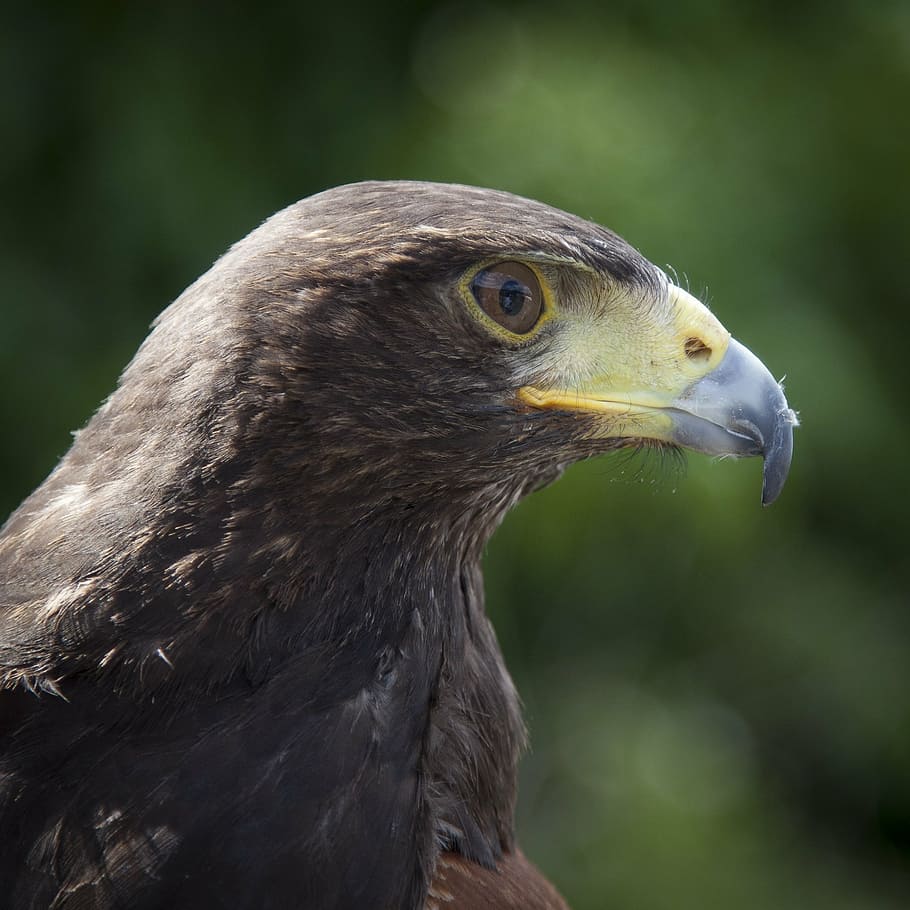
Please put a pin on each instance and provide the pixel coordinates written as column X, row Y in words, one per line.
column 244, row 655
column 515, row 884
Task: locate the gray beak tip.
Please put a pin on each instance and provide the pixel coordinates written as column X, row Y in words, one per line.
column 740, row 409
column 777, row 456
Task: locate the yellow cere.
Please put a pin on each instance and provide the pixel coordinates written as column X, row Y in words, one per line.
column 628, row 358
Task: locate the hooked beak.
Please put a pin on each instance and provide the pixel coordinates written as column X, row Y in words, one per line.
column 686, row 382
column 738, row 409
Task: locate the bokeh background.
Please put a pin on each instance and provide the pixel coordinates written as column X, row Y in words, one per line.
column 718, row 695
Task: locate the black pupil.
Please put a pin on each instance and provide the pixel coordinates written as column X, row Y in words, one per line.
column 512, row 296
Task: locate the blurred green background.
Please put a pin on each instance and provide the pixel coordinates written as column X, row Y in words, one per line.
column 718, row 695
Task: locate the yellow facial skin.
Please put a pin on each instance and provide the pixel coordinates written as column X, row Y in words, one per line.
column 648, row 365
column 632, row 362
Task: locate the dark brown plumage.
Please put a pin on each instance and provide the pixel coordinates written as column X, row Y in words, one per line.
column 244, row 659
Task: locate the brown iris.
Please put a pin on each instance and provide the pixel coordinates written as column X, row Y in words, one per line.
column 509, row 293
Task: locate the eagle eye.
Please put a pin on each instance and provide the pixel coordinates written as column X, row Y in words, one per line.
column 510, row 294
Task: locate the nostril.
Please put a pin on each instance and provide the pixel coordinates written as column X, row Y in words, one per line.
column 697, row 350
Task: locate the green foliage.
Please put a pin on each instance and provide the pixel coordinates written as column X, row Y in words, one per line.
column 717, row 694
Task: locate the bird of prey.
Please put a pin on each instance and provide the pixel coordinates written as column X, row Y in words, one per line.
column 244, row 658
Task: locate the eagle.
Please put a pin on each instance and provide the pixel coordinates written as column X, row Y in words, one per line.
column 244, row 656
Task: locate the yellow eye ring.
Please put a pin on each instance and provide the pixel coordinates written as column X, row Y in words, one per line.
column 511, row 298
